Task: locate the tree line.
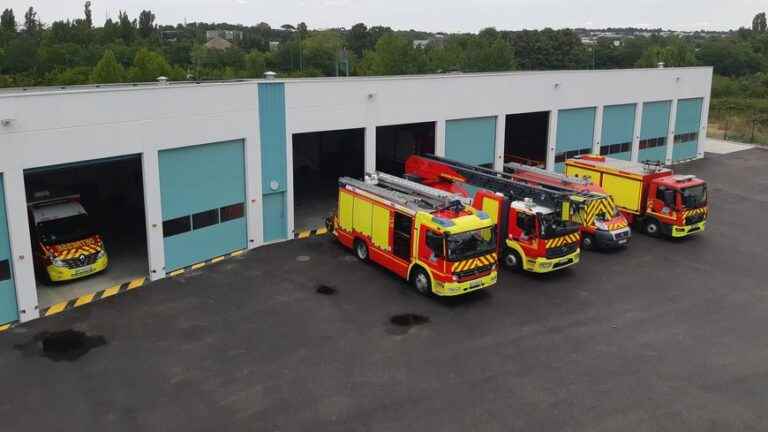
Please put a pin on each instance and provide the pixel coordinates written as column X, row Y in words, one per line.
column 126, row 49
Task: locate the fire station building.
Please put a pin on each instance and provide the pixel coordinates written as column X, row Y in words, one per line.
column 173, row 174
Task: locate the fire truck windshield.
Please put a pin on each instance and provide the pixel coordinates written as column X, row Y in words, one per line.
column 471, row 243
column 553, row 226
column 64, row 230
column 694, row 196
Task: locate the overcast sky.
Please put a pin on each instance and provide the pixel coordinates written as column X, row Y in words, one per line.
column 430, row 15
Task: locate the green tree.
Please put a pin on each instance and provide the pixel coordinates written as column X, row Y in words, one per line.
column 677, row 54
column 146, row 24
column 88, row 21
column 31, row 23
column 730, row 57
column 255, row 64
column 759, row 24
column 126, row 29
column 107, row 70
column 148, row 66
column 359, row 39
column 8, row 21
column 393, row 55
column 321, row 50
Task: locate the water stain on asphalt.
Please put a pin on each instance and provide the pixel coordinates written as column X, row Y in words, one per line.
column 403, row 323
column 326, row 290
column 68, row 345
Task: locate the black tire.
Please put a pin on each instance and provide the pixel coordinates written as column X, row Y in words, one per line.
column 588, row 242
column 652, row 228
column 361, row 250
column 421, row 282
column 512, row 260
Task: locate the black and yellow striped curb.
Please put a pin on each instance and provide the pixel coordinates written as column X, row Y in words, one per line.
column 117, row 289
column 92, row 297
column 206, row 263
column 304, row 234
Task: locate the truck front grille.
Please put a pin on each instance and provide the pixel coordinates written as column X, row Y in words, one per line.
column 81, row 261
column 470, row 274
column 690, row 220
column 562, row 251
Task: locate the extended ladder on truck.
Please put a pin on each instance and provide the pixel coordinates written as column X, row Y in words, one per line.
column 408, row 194
column 549, row 196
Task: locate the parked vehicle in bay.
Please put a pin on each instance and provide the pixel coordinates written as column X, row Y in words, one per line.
column 536, row 236
column 426, row 236
column 653, row 197
column 65, row 244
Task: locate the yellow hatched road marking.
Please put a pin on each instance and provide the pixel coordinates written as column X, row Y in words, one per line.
column 84, row 300
column 238, row 253
column 109, row 292
column 176, row 272
column 217, row 259
column 321, row 231
column 198, row 265
column 136, row 283
column 58, row 307
column 4, row 327
column 304, row 234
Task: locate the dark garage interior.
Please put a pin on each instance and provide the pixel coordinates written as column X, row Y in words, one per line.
column 111, row 192
column 395, row 143
column 525, row 140
column 319, row 159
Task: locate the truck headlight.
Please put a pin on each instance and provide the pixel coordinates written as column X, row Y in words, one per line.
column 601, row 225
column 57, row 262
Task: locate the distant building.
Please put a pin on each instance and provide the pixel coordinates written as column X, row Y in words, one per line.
column 422, row 43
column 169, row 35
column 228, row 35
column 274, row 45
column 218, row 43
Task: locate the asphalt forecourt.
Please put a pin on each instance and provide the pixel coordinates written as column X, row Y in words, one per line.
column 296, row 336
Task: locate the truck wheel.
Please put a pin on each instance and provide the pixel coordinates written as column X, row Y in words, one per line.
column 588, row 242
column 512, row 260
column 361, row 250
column 421, row 282
column 652, row 227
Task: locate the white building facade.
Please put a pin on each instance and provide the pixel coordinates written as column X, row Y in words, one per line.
column 216, row 159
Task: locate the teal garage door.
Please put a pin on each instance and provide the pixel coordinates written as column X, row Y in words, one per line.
column 575, row 133
column 203, row 198
column 618, row 130
column 653, row 132
column 273, row 160
column 687, row 125
column 471, row 141
column 8, row 309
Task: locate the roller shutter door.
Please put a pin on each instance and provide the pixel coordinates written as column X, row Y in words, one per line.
column 653, row 132
column 575, row 133
column 687, row 132
column 618, row 130
column 203, row 199
column 471, row 141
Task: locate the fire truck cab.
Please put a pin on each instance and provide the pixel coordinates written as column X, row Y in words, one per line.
column 426, row 236
column 653, row 197
column 65, row 244
column 536, row 238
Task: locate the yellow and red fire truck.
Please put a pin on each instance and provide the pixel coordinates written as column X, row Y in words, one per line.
column 65, row 244
column 652, row 196
column 537, row 236
column 426, row 236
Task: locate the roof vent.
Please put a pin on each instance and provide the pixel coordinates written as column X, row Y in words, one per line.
column 269, row 75
column 162, row 80
column 660, row 65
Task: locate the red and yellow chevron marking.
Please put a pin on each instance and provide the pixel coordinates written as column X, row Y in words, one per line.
column 594, row 207
column 75, row 249
column 617, row 225
column 473, row 263
column 696, row 212
column 564, row 240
